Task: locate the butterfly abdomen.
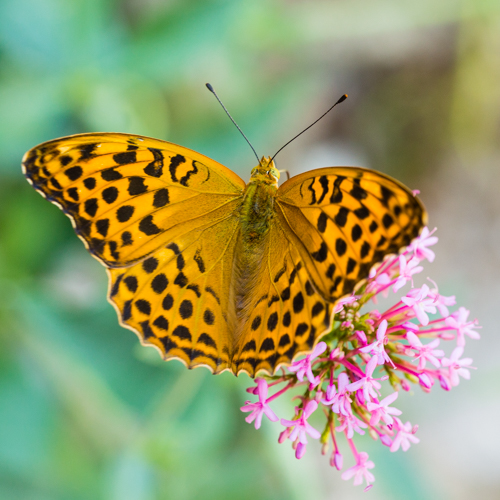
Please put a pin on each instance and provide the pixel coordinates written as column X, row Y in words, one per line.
column 256, row 215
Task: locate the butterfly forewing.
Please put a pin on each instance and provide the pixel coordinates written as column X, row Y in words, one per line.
column 345, row 219
column 123, row 191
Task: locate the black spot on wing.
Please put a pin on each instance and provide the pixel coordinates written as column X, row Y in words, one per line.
column 340, row 247
column 212, row 292
column 323, row 180
column 313, row 193
column 321, row 254
column 199, row 260
column 185, row 178
column 127, row 238
column 272, row 322
column 143, row 306
column 161, row 198
column 175, row 161
column 267, row 345
column 186, row 309
column 131, row 283
column 362, row 212
column 110, row 174
column 256, row 323
column 357, row 191
column 136, row 186
column 155, row 168
column 72, row 192
column 249, row 346
column 91, row 205
column 110, row 194
column 159, row 283
column 125, row 158
column 102, row 226
column 337, row 195
column 124, row 213
column 116, row 285
column 65, row 160
column 87, row 151
column 161, row 322
column 194, row 288
column 208, row 317
column 89, row 183
column 321, row 224
column 204, row 338
column 150, row 264
column 341, row 217
column 73, row 173
column 182, row 332
column 148, row 227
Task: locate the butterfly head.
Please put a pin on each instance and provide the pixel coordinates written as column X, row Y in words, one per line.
column 265, row 172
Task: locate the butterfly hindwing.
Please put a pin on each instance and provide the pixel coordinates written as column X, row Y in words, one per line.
column 178, row 298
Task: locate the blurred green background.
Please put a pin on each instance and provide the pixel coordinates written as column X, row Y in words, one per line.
column 85, row 411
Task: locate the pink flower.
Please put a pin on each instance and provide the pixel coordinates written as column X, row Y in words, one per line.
column 377, row 348
column 301, row 426
column 260, row 408
column 420, row 244
column 405, row 434
column 303, row 367
column 416, row 300
column 360, row 471
column 406, row 271
column 369, row 385
column 458, row 321
column 349, row 424
column 382, row 410
column 425, row 352
column 456, row 366
column 340, row 401
column 441, row 302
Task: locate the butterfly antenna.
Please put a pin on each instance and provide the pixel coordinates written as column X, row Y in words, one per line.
column 209, row 87
column 342, row 99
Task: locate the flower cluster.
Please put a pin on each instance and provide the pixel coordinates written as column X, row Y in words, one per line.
column 343, row 374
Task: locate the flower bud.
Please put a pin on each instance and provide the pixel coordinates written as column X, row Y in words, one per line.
column 405, row 385
column 336, row 460
column 300, row 450
column 386, row 440
column 284, row 435
column 445, row 384
column 425, row 381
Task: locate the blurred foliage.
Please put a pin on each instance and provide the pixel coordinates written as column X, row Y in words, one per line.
column 85, row 412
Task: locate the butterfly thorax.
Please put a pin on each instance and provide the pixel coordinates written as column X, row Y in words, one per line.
column 258, row 202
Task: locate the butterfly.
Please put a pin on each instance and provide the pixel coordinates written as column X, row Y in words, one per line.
column 210, row 270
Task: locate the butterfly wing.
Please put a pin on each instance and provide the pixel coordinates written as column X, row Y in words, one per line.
column 344, row 220
column 331, row 225
column 161, row 218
